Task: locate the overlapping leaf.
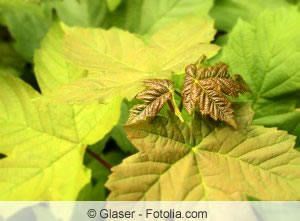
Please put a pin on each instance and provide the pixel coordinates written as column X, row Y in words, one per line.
column 93, row 121
column 39, row 141
column 207, row 87
column 266, row 54
column 160, row 92
column 53, row 70
column 184, row 41
column 119, row 61
column 181, row 162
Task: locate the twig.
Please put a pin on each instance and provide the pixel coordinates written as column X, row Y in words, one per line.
column 99, row 159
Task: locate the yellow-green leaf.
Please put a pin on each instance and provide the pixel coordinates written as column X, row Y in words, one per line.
column 41, row 143
column 181, row 162
column 119, row 61
column 147, row 16
column 53, row 70
column 184, row 41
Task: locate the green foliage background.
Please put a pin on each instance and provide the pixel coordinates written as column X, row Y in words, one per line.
column 69, row 71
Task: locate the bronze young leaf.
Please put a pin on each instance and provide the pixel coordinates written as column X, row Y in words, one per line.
column 158, row 93
column 207, row 87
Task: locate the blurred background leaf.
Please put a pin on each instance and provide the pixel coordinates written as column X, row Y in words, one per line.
column 147, row 16
column 85, row 13
column 113, row 4
column 227, row 12
column 27, row 23
column 271, row 67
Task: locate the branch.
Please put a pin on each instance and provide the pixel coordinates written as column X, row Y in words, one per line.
column 99, row 159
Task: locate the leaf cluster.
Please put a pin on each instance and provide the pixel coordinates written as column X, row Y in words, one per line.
column 205, row 86
column 74, row 72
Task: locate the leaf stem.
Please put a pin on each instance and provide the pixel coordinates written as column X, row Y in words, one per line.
column 176, row 110
column 171, row 106
column 99, row 159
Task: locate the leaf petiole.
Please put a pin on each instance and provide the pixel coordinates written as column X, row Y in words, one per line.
column 171, row 106
column 177, row 111
column 99, row 159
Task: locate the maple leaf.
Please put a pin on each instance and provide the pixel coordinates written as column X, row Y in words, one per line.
column 159, row 92
column 258, row 50
column 110, row 57
column 208, row 86
column 202, row 161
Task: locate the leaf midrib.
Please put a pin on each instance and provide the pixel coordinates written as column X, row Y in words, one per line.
column 110, row 57
column 247, row 163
